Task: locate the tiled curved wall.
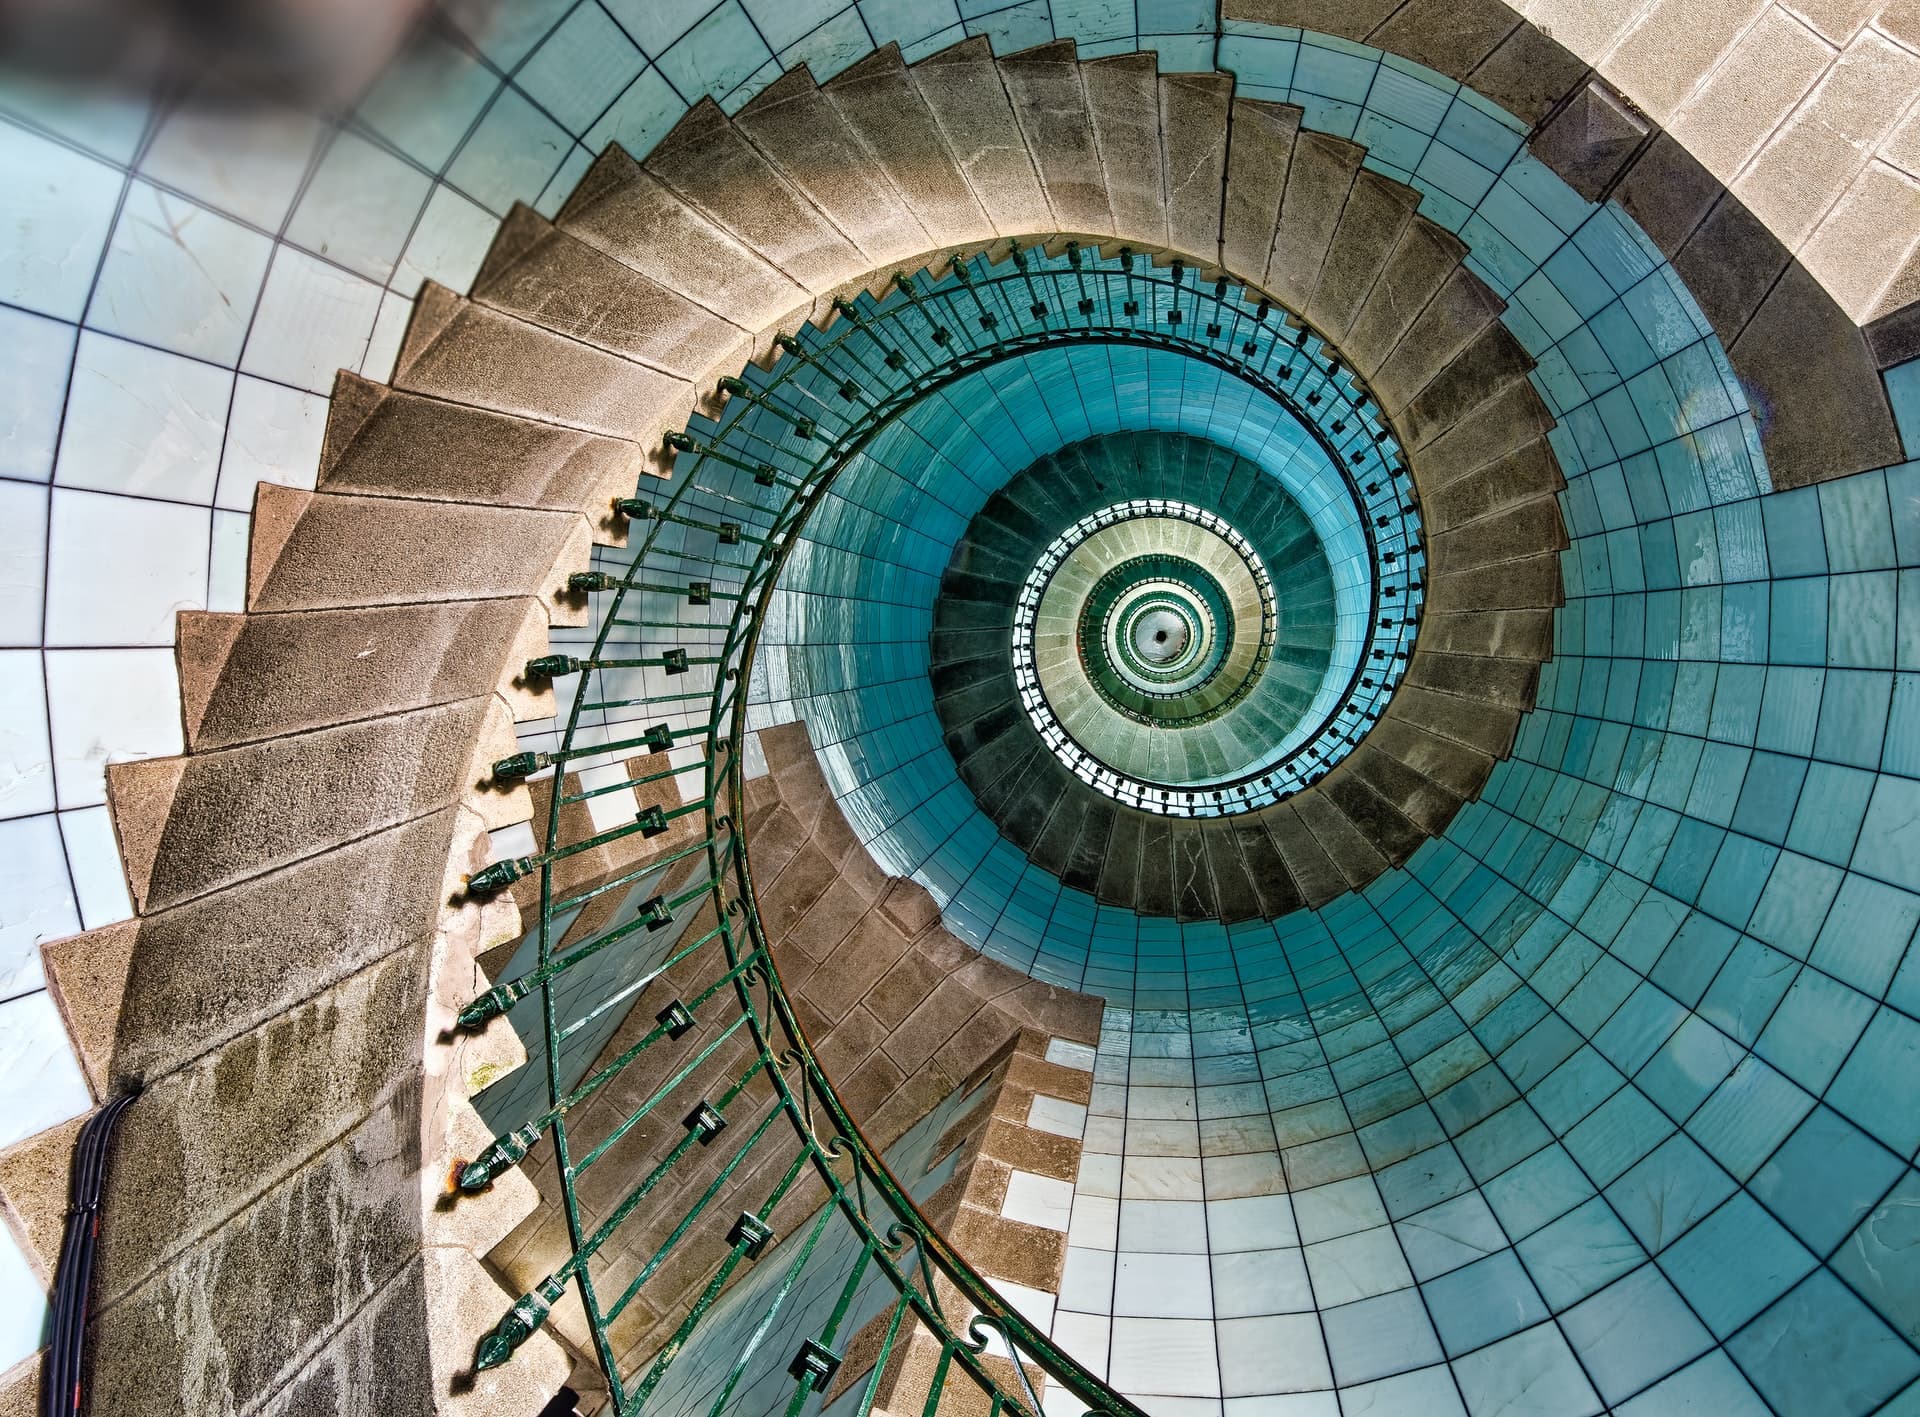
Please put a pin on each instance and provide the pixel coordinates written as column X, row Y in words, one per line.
column 1651, row 997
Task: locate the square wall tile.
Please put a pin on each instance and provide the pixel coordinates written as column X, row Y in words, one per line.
column 121, row 568
column 23, row 560
column 23, row 1303
column 359, row 207
column 60, row 205
column 93, row 856
column 26, row 762
column 510, row 155
column 1038, row 1200
column 1152, row 1286
column 273, row 435
column 241, row 157
column 1275, row 1354
column 179, row 276
column 143, row 422
column 1168, row 1357
column 109, row 705
column 314, row 319
column 448, row 244
column 41, row 1084
column 36, row 903
column 1057, row 1115
column 36, row 355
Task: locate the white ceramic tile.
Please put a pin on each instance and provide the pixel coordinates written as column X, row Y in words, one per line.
column 1261, row 1282
column 389, row 329
column 1357, row 1267
column 35, row 356
column 242, row 158
column 1427, row 1391
column 1251, row 1223
column 612, row 809
column 1171, row 1357
column 36, row 903
column 447, row 246
column 1096, row 1222
column 1086, row 1280
column 26, row 761
column 1299, row 1404
column 1085, row 1337
column 1341, row 1208
column 1163, row 1226
column 641, row 116
column 23, row 560
column 41, row 1084
column 1056, row 1115
column 359, row 207
column 109, row 705
column 1273, row 1354
column 1161, row 1178
column 23, row 1303
column 1038, row 1200
column 93, row 856
column 143, row 422
column 104, row 120
column 60, row 207
column 510, row 155
column 505, row 843
column 227, row 562
column 1034, row 1305
column 179, row 276
column 273, row 435
column 1099, row 1175
column 425, row 101
column 1149, row 1286
column 582, row 65
column 121, row 568
column 314, row 319
column 1069, row 1054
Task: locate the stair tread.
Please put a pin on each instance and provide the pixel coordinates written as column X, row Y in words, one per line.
column 961, row 86
column 1123, row 102
column 1377, row 212
column 1194, row 110
column 1259, row 151
column 1319, row 176
column 1050, row 105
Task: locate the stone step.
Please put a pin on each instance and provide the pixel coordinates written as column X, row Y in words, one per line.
column 1372, row 222
column 1054, row 842
column 1308, row 864
column 1273, row 883
column 1475, row 375
column 190, row 825
column 1519, row 476
column 1506, row 683
column 1050, row 105
column 961, row 86
column 1415, row 269
column 1422, row 803
column 1522, row 530
column 396, row 444
column 1194, row 110
column 1510, row 419
column 710, row 164
column 1456, row 767
column 637, row 220
column 250, row 677
column 319, row 550
column 460, row 350
column 1461, row 310
column 800, row 131
column 882, row 106
column 1082, row 868
column 1347, row 845
column 1123, row 103
column 1484, row 727
column 1235, row 896
column 1259, row 149
column 1498, row 634
column 1319, row 176
column 540, row 274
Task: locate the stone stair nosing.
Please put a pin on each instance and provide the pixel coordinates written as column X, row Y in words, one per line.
column 1050, row 105
column 1345, row 844
column 323, row 550
column 459, row 350
column 1420, row 262
column 1089, row 851
column 1319, row 176
column 1275, row 890
column 879, row 102
column 1311, row 869
column 1376, row 215
column 1524, row 473
column 1119, row 871
column 622, row 210
column 1154, row 891
column 1194, row 113
column 1522, row 530
column 1259, row 151
column 1123, row 103
column 709, row 163
column 1478, row 372
column 1461, row 310
column 797, row 127
column 961, row 86
column 386, row 443
column 536, row 272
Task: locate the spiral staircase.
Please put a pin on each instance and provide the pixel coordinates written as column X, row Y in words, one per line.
column 493, row 734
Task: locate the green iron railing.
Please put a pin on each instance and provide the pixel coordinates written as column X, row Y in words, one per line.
column 717, row 1128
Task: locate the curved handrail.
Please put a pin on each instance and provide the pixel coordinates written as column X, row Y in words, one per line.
column 745, row 484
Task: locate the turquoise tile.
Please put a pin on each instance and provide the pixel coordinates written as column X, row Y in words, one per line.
column 1820, row 1352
